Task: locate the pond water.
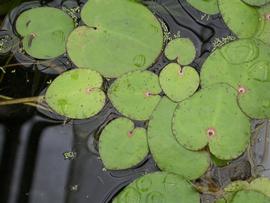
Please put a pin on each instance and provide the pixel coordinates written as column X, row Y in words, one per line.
column 46, row 158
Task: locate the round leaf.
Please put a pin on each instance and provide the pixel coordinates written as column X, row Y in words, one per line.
column 158, row 187
column 181, row 49
column 169, row 155
column 121, row 145
column 212, row 117
column 205, row 6
column 76, row 94
column 249, row 196
column 44, row 31
column 179, row 83
column 115, row 41
column 262, row 185
column 245, row 65
column 135, row 94
column 241, row 18
column 256, row 2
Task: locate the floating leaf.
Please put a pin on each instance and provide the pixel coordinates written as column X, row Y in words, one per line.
column 115, row 41
column 249, row 196
column 158, row 187
column 76, row 94
column 181, row 49
column 263, row 32
column 179, row 83
column 212, row 117
column 44, row 31
column 241, row 18
column 262, row 185
column 205, row 6
column 121, row 145
column 245, row 65
column 256, row 2
column 169, row 155
column 135, row 94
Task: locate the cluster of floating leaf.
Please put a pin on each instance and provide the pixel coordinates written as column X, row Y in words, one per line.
column 121, row 39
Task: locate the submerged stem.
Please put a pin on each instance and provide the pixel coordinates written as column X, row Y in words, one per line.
column 27, row 100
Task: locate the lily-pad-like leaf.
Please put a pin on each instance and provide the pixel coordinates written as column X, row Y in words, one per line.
column 255, row 99
column 181, row 49
column 120, row 36
column 256, row 2
column 262, row 185
column 263, row 32
column 158, row 187
column 212, row 117
column 44, row 31
column 121, row 145
column 169, row 155
column 205, row 6
column 241, row 18
column 245, row 65
column 249, row 196
column 135, row 94
column 76, row 94
column 179, row 83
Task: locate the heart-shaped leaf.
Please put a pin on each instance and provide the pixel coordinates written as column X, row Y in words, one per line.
column 169, row 155
column 44, row 31
column 121, row 145
column 179, row 83
column 120, row 36
column 212, row 117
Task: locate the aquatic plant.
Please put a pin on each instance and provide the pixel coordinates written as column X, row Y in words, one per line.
column 135, row 94
column 248, row 71
column 114, row 40
column 178, row 82
column 169, row 155
column 158, row 187
column 258, row 190
column 206, row 6
column 122, row 145
column 76, row 94
column 44, row 31
column 212, row 117
column 180, row 49
column 256, row 2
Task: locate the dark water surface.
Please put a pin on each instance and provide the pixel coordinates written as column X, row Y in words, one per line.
column 32, row 142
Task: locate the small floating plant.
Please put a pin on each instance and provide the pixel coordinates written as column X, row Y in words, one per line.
column 192, row 120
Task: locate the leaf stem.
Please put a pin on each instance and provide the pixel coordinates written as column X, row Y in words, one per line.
column 27, row 100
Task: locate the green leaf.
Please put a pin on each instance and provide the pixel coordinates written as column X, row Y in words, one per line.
column 205, row 6
column 262, row 185
column 241, row 18
column 249, row 196
column 256, row 2
column 212, row 117
column 169, row 155
column 181, row 49
column 44, row 31
column 158, row 187
column 179, row 83
column 245, row 65
column 135, row 94
column 120, row 36
column 76, row 94
column 121, row 145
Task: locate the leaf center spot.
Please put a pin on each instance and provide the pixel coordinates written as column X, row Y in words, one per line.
column 88, row 90
column 181, row 72
column 148, row 94
column 267, row 16
column 130, row 134
column 211, row 132
column 241, row 90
